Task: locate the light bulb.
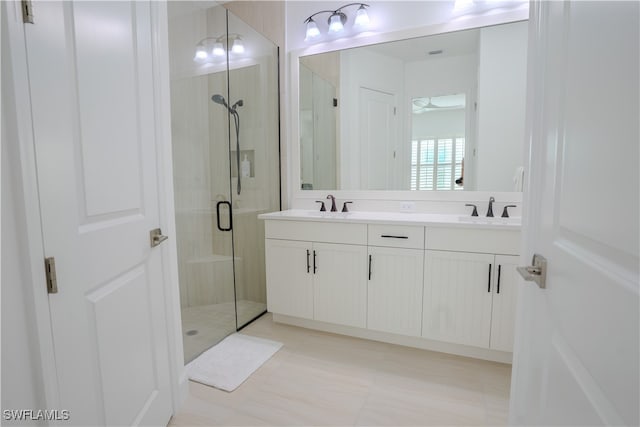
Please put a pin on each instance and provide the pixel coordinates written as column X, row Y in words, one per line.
column 238, row 46
column 218, row 49
column 312, row 30
column 335, row 22
column 462, row 5
column 362, row 17
column 201, row 53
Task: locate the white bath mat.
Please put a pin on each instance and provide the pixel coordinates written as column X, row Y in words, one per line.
column 230, row 362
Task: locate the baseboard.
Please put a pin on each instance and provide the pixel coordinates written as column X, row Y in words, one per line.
column 183, row 388
column 416, row 342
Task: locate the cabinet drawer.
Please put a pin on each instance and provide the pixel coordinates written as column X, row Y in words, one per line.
column 330, row 232
column 396, row 236
column 469, row 240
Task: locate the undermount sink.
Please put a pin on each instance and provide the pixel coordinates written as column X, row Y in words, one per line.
column 489, row 220
column 319, row 214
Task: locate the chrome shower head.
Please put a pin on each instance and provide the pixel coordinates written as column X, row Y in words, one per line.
column 219, row 99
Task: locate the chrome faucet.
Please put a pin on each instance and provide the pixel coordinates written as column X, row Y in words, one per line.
column 490, row 211
column 333, row 203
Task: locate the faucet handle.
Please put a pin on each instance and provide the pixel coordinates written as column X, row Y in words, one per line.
column 505, row 213
column 344, row 207
column 475, row 209
column 322, row 208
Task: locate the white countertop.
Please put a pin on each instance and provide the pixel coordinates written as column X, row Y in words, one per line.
column 396, row 218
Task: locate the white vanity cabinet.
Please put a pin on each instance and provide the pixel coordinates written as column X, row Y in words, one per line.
column 339, row 284
column 440, row 287
column 469, row 297
column 503, row 310
column 289, row 278
column 317, row 271
column 457, row 297
column 394, row 298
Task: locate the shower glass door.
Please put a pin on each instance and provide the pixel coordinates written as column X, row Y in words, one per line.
column 254, row 160
column 222, row 72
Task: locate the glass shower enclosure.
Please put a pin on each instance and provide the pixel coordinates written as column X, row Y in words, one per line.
column 225, row 137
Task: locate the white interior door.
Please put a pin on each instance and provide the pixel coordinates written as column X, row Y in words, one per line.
column 377, row 130
column 93, row 117
column 576, row 355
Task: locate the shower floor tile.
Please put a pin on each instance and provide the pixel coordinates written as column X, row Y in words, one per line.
column 206, row 325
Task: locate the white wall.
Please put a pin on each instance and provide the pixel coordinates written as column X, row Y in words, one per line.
column 22, row 386
column 438, row 123
column 502, row 77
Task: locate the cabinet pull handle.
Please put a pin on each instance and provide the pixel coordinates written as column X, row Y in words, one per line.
column 489, row 281
column 369, row 267
column 498, row 287
column 315, row 264
column 388, row 236
column 308, row 264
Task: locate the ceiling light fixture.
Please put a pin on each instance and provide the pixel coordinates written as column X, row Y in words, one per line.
column 337, row 20
column 212, row 47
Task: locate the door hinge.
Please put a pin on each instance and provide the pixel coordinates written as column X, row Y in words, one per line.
column 395, row 110
column 27, row 11
column 50, row 270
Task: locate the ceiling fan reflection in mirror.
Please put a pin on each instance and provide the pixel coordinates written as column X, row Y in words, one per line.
column 434, row 103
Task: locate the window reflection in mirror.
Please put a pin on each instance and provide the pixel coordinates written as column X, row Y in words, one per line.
column 438, row 142
column 443, row 112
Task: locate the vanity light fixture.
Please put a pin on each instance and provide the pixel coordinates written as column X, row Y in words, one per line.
column 337, row 20
column 237, row 46
column 211, row 47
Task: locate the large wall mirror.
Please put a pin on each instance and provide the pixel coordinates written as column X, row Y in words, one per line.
column 442, row 112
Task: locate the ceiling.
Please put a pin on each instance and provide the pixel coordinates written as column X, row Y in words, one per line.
column 451, row 44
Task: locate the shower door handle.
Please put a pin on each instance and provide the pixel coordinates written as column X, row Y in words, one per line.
column 218, row 216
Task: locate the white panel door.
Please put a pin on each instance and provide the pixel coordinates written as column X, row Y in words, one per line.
column 395, row 290
column 340, row 284
column 457, row 297
column 576, row 356
column 504, row 302
column 377, row 130
column 93, row 118
column 289, row 278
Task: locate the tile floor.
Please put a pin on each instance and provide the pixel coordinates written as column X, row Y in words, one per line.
column 324, row 379
column 212, row 323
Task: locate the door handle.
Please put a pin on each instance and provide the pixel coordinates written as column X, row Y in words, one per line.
column 489, row 280
column 308, row 265
column 537, row 272
column 156, row 237
column 224, row 202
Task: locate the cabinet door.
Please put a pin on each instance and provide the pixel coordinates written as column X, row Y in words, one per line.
column 504, row 303
column 395, row 290
column 289, row 281
column 340, row 284
column 457, row 297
